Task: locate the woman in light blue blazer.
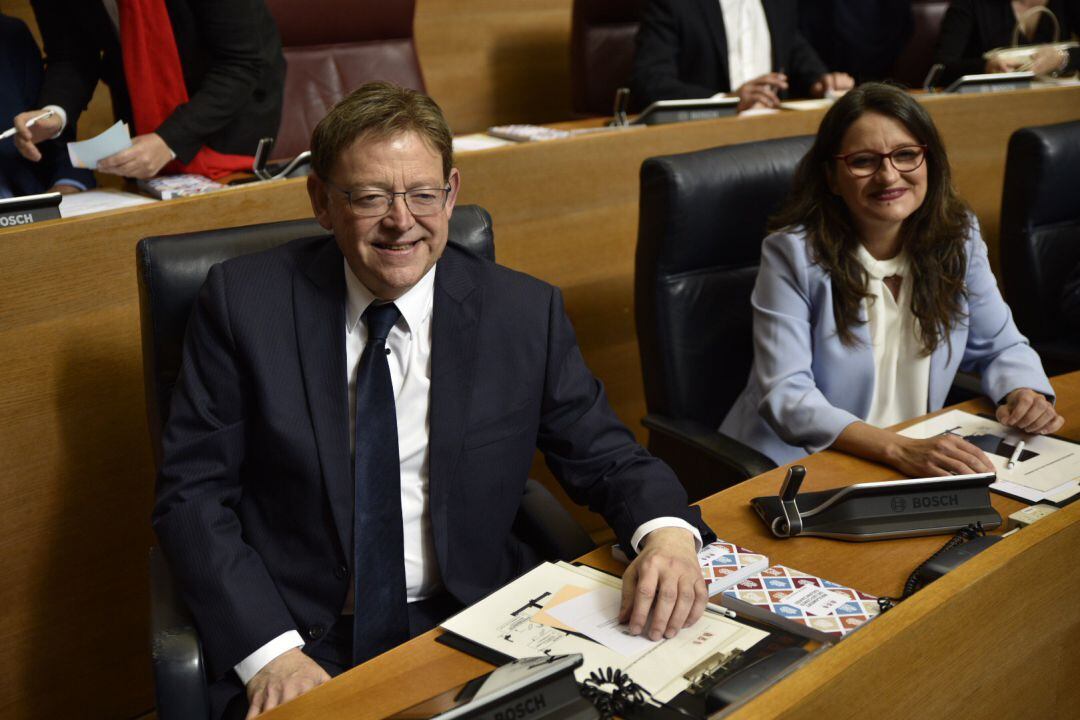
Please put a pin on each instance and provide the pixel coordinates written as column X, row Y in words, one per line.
column 874, row 289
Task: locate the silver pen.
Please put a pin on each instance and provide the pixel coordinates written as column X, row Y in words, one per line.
column 1015, row 456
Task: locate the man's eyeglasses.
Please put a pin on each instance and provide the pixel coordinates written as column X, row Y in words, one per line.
column 865, row 163
column 367, row 202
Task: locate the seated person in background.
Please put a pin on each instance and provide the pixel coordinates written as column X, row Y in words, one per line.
column 972, row 27
column 384, row 365
column 749, row 48
column 198, row 82
column 861, row 38
column 873, row 290
column 20, row 81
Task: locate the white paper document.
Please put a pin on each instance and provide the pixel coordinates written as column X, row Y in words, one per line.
column 560, row 608
column 87, row 153
column 596, row 614
column 478, row 141
column 1047, row 469
column 92, row 201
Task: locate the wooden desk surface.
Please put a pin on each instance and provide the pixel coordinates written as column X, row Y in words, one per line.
column 76, row 477
column 997, row 635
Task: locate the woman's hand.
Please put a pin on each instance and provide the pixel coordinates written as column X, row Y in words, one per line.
column 1027, row 410
column 940, row 455
column 997, row 64
column 931, row 457
column 1048, row 61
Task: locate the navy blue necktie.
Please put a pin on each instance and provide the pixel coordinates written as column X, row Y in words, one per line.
column 381, row 618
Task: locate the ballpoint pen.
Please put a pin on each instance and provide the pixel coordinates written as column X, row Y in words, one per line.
column 29, row 123
column 1015, row 456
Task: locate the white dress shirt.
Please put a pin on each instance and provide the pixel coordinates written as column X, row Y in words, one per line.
column 749, row 44
column 409, row 358
column 901, row 368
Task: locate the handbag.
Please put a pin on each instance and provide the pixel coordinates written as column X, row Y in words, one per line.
column 1023, row 55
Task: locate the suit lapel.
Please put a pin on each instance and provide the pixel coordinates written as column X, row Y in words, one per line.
column 772, row 19
column 714, row 20
column 456, row 314
column 319, row 309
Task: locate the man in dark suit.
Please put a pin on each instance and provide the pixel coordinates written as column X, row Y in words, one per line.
column 749, row 48
column 20, row 80
column 355, row 420
column 231, row 61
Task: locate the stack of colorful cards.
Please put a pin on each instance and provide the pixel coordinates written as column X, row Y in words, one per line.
column 802, row 603
column 725, row 564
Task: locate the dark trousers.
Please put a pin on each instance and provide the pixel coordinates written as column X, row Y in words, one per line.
column 333, row 652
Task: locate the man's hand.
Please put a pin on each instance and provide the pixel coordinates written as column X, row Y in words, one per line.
column 834, row 82
column 762, row 91
column 26, row 138
column 1027, row 410
column 144, row 159
column 939, row 455
column 64, row 189
column 287, row 676
column 663, row 587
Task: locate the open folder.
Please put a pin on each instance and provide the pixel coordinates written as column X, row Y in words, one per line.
column 561, row 609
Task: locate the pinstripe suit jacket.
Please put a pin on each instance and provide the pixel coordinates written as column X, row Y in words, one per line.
column 254, row 499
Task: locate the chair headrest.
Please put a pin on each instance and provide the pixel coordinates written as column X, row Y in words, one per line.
column 1043, row 170
column 694, row 198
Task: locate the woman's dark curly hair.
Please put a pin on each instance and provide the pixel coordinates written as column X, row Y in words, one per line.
column 933, row 235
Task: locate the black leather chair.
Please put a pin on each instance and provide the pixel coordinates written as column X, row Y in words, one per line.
column 171, row 269
column 1040, row 236
column 702, row 220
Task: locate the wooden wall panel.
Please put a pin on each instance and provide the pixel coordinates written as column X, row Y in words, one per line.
column 489, row 62
column 76, row 475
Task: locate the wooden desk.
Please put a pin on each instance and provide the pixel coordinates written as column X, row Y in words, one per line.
column 995, row 638
column 76, row 471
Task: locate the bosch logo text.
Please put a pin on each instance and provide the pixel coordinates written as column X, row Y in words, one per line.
column 21, row 219
column 934, row 501
column 522, row 709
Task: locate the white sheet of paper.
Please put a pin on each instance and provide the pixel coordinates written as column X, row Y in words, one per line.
column 1052, row 465
column 478, row 141
column 92, row 201
column 596, row 615
column 87, row 153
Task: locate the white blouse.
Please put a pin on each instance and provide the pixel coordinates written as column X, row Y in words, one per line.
column 901, row 369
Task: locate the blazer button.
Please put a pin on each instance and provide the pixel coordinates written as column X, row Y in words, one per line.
column 340, row 572
column 316, row 631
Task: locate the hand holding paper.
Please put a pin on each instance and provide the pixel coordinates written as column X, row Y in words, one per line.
column 663, row 587
column 144, row 159
column 88, row 153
